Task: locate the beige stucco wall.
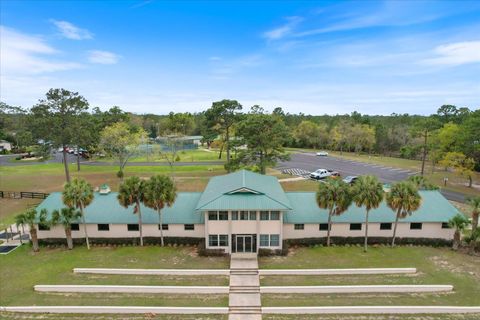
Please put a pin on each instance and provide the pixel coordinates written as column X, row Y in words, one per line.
column 120, row 231
column 429, row 230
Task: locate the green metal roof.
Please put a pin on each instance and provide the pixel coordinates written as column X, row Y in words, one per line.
column 434, row 208
column 243, row 190
column 106, row 209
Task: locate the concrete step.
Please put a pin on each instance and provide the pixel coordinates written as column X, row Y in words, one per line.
column 244, row 272
column 246, row 289
column 244, row 310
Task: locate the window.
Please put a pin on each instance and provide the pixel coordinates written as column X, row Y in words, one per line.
column 212, row 215
column 223, row 215
column 189, row 226
column 274, row 240
column 234, row 215
column 299, row 226
column 103, row 227
column 223, row 240
column 132, row 227
column 253, row 215
column 275, row 215
column 218, row 240
column 213, row 240
column 263, row 215
column 385, row 226
column 445, row 225
column 43, row 227
column 243, row 215
column 323, row 227
column 355, row 226
column 75, row 227
column 164, row 227
column 264, row 240
column 415, row 226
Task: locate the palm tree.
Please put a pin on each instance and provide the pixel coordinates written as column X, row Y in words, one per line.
column 66, row 216
column 474, row 238
column 474, row 202
column 368, row 192
column 422, row 183
column 459, row 222
column 336, row 196
column 404, row 199
column 31, row 219
column 78, row 194
column 132, row 192
column 160, row 191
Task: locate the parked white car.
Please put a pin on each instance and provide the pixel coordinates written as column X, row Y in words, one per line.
column 320, row 174
column 322, row 153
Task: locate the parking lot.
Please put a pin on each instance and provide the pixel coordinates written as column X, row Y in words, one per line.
column 301, row 163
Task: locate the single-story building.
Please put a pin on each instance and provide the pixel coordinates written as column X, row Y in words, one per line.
column 245, row 211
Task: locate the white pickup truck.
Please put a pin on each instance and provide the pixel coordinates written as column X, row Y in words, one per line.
column 320, row 174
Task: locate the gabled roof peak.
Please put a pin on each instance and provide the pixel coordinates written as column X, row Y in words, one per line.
column 242, row 183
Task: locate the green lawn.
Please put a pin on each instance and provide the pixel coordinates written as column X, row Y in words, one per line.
column 185, row 156
column 374, row 317
column 32, row 316
column 434, row 266
column 51, row 177
column 22, row 269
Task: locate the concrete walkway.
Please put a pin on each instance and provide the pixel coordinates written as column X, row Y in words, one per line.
column 244, row 296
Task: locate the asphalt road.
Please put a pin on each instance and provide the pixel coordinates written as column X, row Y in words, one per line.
column 311, row 162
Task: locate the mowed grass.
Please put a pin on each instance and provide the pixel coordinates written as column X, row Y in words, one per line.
column 51, row 177
column 33, row 316
column 22, row 269
column 197, row 155
column 434, row 266
column 373, row 317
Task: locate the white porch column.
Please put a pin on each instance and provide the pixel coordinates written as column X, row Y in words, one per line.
column 230, row 242
column 257, row 217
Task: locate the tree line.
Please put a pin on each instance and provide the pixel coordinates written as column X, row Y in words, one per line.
column 251, row 137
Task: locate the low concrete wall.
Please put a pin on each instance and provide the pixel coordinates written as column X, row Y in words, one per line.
column 133, row 289
column 271, row 272
column 226, row 272
column 117, row 309
column 370, row 310
column 356, row 289
column 183, row 272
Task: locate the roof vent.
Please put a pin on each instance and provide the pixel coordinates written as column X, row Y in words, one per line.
column 104, row 189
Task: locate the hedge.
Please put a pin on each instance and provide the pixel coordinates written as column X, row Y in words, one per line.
column 434, row 242
column 204, row 252
column 124, row 241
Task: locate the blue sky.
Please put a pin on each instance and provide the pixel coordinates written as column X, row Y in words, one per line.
column 376, row 57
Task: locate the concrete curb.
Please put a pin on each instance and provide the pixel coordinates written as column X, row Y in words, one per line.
column 134, row 289
column 117, row 309
column 271, row 272
column 184, row 272
column 371, row 310
column 357, row 289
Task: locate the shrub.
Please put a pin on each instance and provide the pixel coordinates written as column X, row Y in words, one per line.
column 204, row 252
column 434, row 242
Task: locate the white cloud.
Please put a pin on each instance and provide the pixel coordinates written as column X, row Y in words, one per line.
column 71, row 31
column 284, row 30
column 103, row 57
column 23, row 54
column 455, row 54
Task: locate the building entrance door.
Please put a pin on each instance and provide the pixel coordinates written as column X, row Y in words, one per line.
column 244, row 243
